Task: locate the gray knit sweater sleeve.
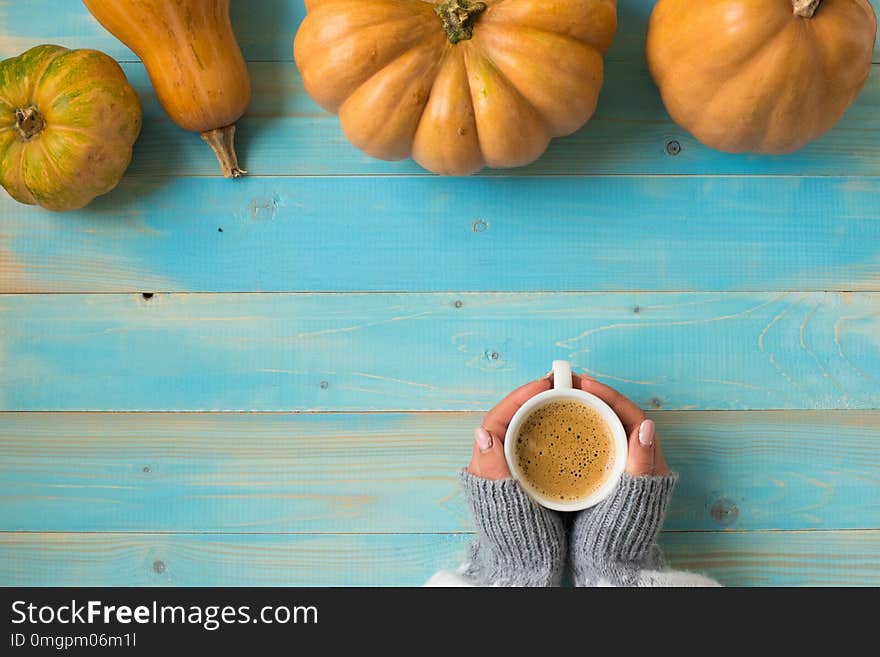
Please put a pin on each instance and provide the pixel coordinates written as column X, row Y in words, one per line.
column 612, row 542
column 518, row 542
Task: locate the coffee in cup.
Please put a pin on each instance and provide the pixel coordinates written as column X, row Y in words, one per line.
column 564, row 450
column 566, row 447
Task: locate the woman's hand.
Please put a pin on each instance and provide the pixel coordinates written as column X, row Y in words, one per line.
column 518, row 542
column 614, row 541
column 645, row 455
column 487, row 458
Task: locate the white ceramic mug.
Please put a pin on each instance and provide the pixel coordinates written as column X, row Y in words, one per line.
column 562, row 390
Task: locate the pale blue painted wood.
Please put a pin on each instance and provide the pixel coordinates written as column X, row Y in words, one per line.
column 285, row 133
column 815, row 558
column 264, row 28
column 421, row 234
column 415, row 233
column 387, row 472
column 424, row 352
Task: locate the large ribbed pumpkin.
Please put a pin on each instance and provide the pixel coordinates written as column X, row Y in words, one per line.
column 456, row 84
column 764, row 76
column 68, row 121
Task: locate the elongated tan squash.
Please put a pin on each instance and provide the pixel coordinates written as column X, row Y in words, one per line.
column 193, row 60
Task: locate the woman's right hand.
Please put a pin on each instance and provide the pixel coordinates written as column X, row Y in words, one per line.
column 645, row 456
column 614, row 540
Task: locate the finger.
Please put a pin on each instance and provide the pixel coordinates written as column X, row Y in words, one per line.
column 628, row 412
column 482, row 440
column 498, row 418
column 661, row 467
column 488, row 462
column 640, row 459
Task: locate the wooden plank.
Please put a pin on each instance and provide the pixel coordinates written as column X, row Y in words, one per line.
column 398, row 472
column 285, row 133
column 264, row 29
column 364, row 352
column 224, row 560
column 818, row 558
column 424, row 234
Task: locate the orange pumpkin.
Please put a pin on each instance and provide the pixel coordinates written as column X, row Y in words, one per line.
column 457, row 84
column 765, row 76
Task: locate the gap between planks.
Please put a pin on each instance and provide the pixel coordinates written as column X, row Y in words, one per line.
column 9, row 532
column 469, row 293
column 512, row 176
column 430, row 411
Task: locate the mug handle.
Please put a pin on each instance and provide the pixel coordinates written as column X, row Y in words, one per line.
column 561, row 375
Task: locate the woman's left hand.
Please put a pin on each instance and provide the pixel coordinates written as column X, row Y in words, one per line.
column 487, row 458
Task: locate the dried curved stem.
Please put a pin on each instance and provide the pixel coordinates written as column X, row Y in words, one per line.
column 805, row 8
column 222, row 141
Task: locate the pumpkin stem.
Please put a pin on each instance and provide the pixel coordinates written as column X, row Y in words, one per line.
column 222, row 140
column 29, row 122
column 458, row 18
column 805, row 8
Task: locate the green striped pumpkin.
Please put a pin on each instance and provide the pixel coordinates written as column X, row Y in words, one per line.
column 68, row 121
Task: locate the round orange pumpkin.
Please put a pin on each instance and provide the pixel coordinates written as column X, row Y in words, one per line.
column 764, row 76
column 456, row 84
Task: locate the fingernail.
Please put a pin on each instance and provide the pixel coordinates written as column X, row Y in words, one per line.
column 483, row 439
column 646, row 433
column 548, row 374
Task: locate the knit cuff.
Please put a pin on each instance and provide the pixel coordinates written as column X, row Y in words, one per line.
column 625, row 525
column 518, row 542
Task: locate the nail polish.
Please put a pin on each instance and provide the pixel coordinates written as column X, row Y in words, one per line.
column 646, row 433
column 483, row 439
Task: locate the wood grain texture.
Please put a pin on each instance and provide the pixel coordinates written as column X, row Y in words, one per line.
column 424, row 234
column 778, row 558
column 426, row 352
column 370, row 498
column 264, row 29
column 285, row 133
column 398, row 472
column 734, row 558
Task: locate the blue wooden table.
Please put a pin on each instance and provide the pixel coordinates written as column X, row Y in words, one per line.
column 273, row 380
